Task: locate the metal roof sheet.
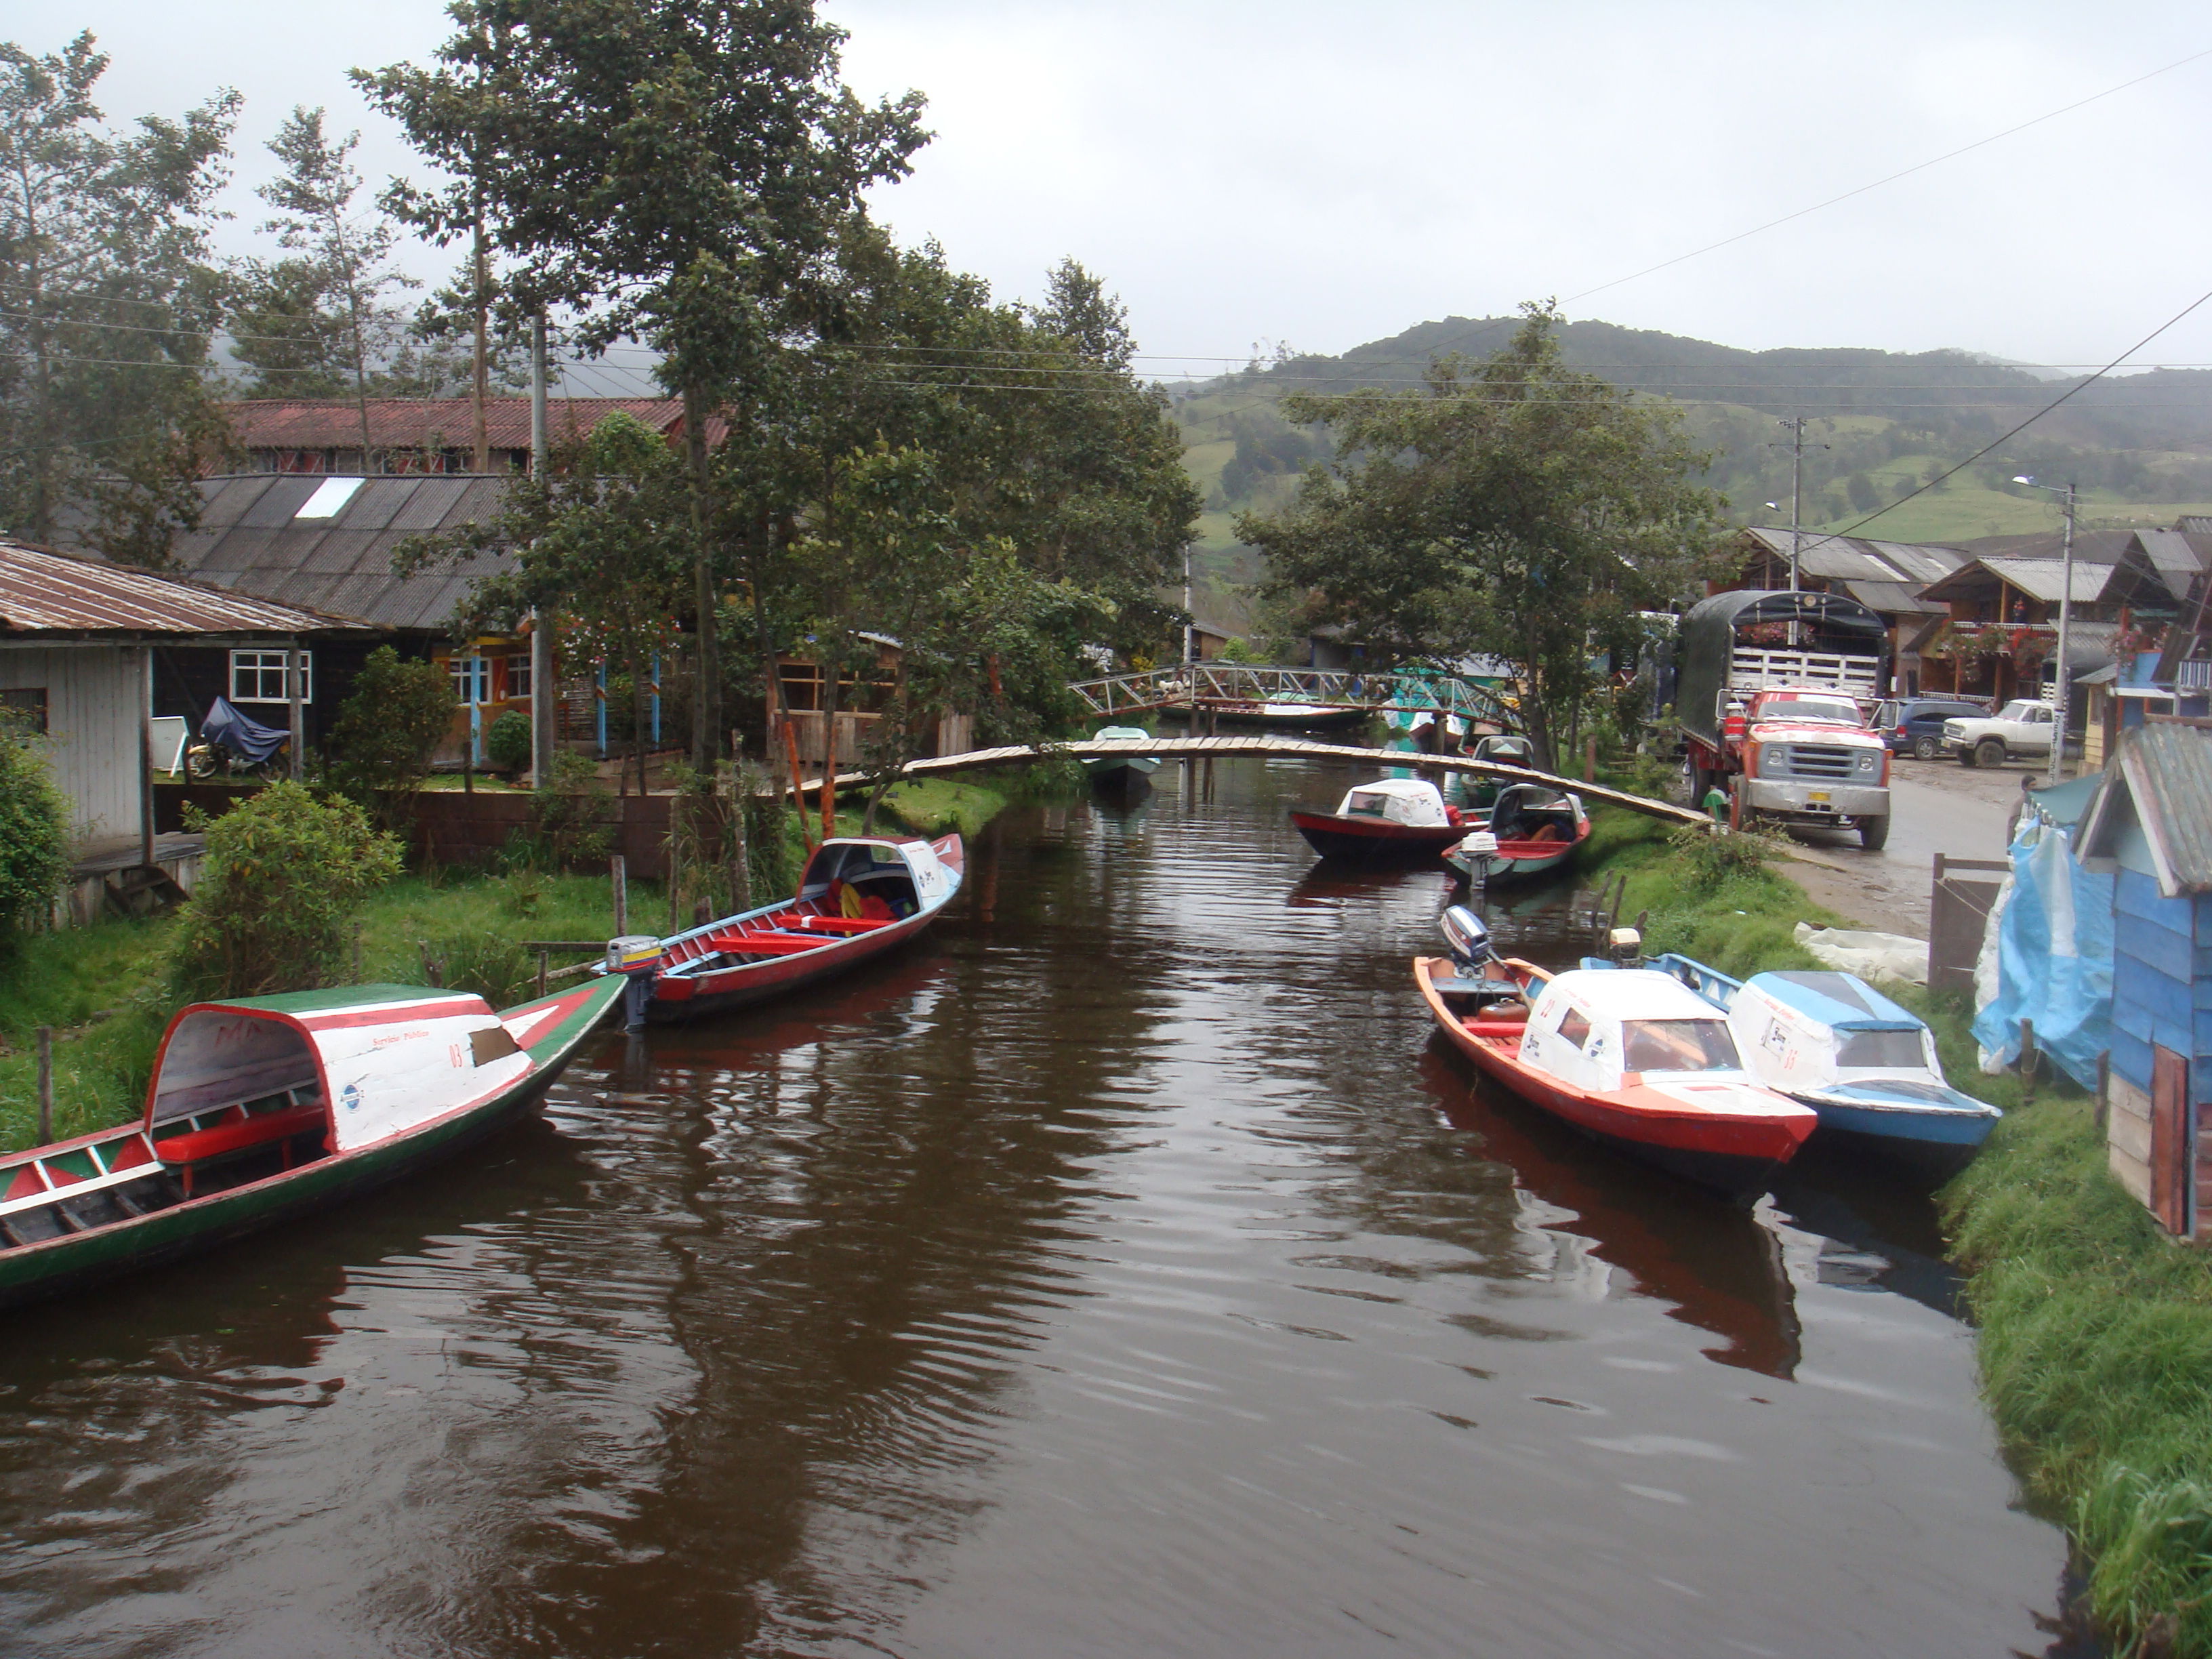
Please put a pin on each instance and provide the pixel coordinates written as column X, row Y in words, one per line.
column 2039, row 579
column 43, row 591
column 1893, row 598
column 1856, row 558
column 250, row 541
column 2167, row 768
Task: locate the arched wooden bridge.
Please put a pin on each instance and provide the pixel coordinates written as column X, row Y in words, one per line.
column 1227, row 687
column 1264, row 745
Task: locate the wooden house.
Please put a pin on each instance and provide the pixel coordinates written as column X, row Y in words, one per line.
column 1999, row 630
column 323, row 436
column 2151, row 825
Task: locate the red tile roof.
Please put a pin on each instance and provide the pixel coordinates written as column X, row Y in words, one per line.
column 431, row 424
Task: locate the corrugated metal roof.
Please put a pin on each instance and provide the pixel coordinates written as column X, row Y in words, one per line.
column 2168, row 769
column 1893, row 598
column 42, row 592
column 2177, row 558
column 1856, row 558
column 249, row 542
column 433, row 423
column 2039, row 579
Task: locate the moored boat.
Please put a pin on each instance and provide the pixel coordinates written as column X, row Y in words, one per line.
column 1631, row 1057
column 1866, row 1065
column 858, row 898
column 265, row 1108
column 1532, row 830
column 1118, row 777
column 1389, row 821
column 1499, row 749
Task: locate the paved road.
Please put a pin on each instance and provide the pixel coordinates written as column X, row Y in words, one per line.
column 1935, row 806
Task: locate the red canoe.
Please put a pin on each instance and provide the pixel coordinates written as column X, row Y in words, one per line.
column 857, row 898
column 1618, row 1055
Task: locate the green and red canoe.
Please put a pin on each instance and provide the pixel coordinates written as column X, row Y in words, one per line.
column 264, row 1108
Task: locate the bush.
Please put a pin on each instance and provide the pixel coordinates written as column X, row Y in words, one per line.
column 569, row 817
column 285, row 877
column 34, row 829
column 1708, row 861
column 495, row 968
column 387, row 732
column 506, row 745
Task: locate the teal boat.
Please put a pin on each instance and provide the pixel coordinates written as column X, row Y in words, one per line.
column 1865, row 1065
column 1115, row 775
column 266, row 1107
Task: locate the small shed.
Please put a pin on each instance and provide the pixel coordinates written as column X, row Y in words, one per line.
column 2152, row 826
column 77, row 642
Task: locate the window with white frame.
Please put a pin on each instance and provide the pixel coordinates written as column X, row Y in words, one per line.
column 471, row 678
column 258, row 677
column 518, row 675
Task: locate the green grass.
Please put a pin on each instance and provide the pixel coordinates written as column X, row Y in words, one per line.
column 935, row 807
column 101, row 990
column 2095, row 1344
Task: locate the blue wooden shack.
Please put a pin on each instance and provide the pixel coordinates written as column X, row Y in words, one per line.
column 2152, row 826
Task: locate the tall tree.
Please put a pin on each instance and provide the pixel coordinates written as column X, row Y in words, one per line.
column 1511, row 508
column 107, row 301
column 341, row 266
column 673, row 168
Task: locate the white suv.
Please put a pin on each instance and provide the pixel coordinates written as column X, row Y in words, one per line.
column 2018, row 728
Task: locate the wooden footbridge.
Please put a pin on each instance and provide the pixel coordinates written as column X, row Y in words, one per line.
column 1269, row 746
column 1236, row 688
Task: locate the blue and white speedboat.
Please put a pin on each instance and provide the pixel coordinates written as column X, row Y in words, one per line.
column 1865, row 1065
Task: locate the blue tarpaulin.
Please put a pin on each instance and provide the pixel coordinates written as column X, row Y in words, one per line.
column 2053, row 936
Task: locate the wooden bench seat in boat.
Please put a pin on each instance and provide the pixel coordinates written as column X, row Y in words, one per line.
column 847, row 925
column 236, row 1134
column 767, row 945
column 80, row 1170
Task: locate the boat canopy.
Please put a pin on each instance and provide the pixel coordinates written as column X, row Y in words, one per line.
column 1506, row 750
column 1805, row 1030
column 857, row 875
column 1414, row 802
column 1592, row 1026
column 379, row 1060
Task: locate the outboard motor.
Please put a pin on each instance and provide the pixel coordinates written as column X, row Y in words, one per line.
column 1466, row 938
column 1627, row 947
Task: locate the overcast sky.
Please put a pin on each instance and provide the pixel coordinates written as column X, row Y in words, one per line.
column 1321, row 175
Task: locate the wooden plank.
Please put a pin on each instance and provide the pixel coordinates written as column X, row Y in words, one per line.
column 2172, row 1153
column 2132, row 1173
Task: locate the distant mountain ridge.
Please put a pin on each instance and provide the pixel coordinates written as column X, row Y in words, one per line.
column 2139, row 445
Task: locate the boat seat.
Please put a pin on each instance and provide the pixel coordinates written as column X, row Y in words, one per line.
column 844, row 924
column 247, row 1130
column 119, row 1164
column 766, row 945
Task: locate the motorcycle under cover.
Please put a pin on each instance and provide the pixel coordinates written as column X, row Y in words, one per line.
column 250, row 740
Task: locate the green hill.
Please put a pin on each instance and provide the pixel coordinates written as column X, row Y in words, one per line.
column 2140, row 445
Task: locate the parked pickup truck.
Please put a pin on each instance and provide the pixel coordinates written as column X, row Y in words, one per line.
column 2018, row 728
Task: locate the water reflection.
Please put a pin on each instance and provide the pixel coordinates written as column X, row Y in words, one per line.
column 1119, row 1272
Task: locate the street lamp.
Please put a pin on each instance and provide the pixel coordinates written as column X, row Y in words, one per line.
column 2065, row 697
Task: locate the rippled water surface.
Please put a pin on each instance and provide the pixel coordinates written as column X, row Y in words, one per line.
column 1122, row 1271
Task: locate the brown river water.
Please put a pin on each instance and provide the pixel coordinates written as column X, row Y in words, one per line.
column 1123, row 1271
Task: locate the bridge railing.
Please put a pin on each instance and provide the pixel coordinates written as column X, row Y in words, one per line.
column 1215, row 683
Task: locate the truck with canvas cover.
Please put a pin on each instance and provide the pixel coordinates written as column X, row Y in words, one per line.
column 1771, row 698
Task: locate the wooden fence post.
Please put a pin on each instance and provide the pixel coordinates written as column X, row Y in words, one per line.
column 45, row 1084
column 620, row 877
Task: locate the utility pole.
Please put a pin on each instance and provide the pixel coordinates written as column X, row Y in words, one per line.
column 1797, row 446
column 2063, row 694
column 480, row 376
column 1187, row 631
column 543, row 692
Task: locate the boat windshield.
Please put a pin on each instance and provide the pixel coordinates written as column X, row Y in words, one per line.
column 1882, row 1048
column 1678, row 1045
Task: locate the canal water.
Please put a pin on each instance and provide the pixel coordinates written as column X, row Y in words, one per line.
column 1122, row 1272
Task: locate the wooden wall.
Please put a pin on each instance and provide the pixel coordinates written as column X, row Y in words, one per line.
column 2161, row 1001
column 95, row 722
